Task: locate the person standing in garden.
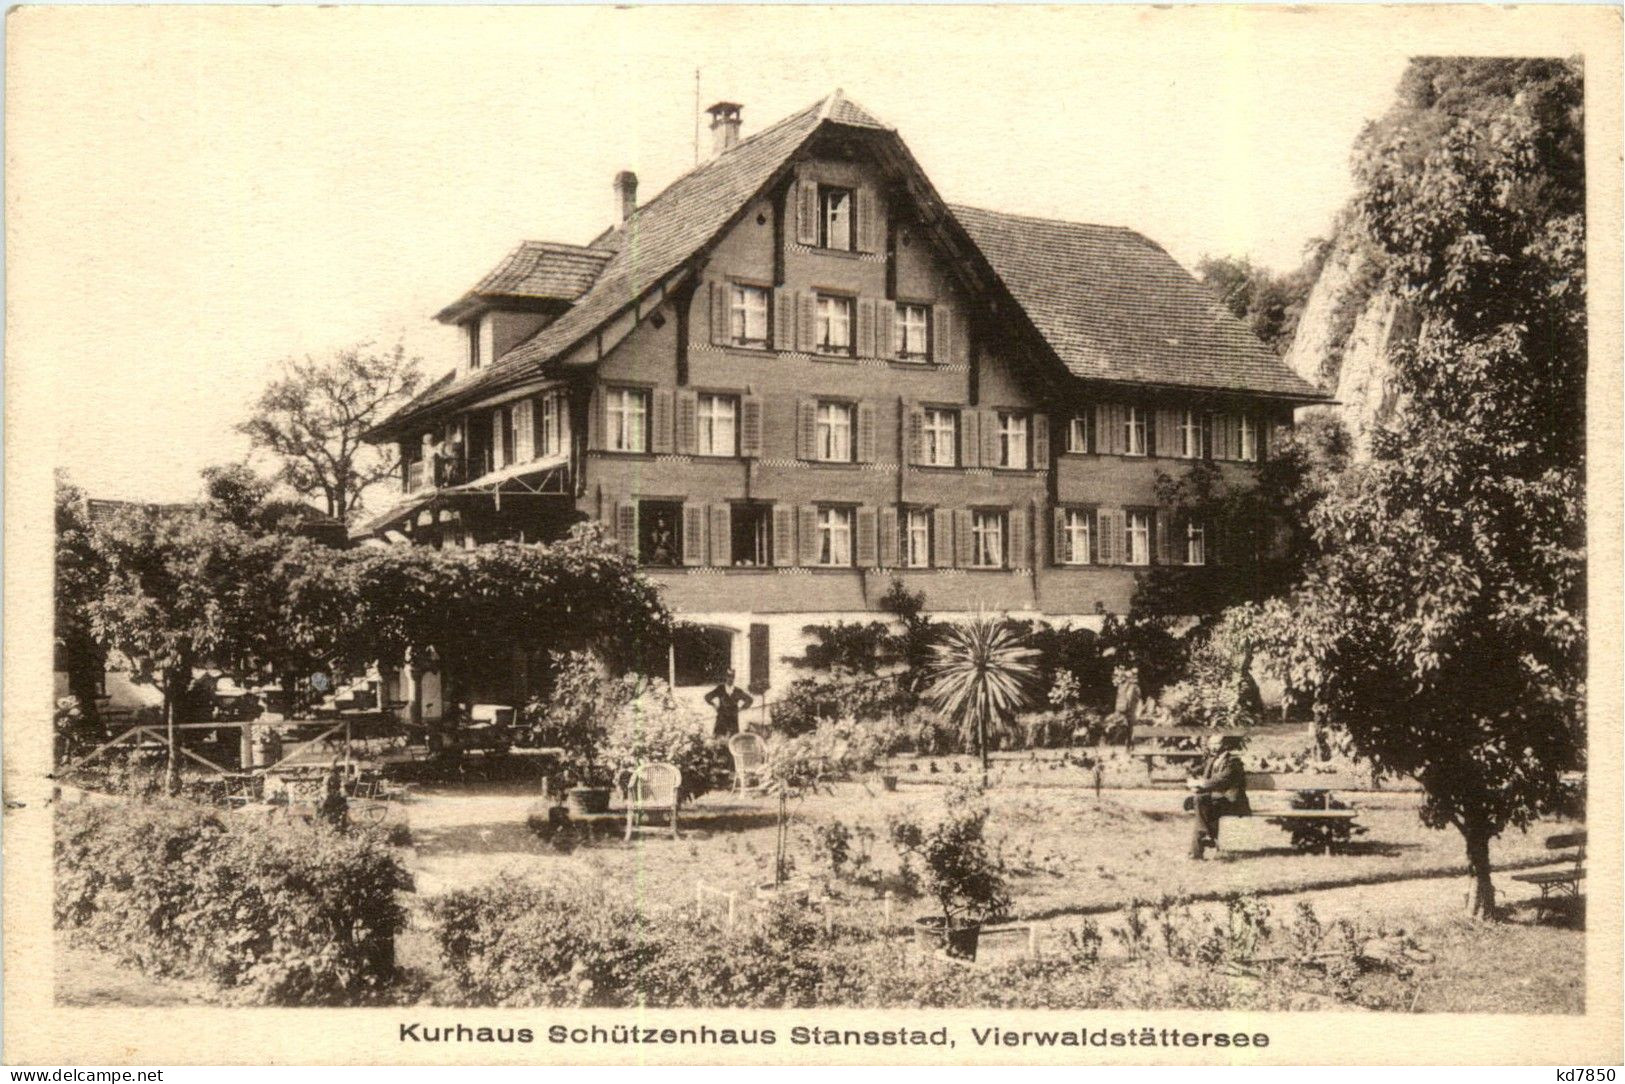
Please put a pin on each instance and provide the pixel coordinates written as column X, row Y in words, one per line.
column 728, row 698
column 1220, row 787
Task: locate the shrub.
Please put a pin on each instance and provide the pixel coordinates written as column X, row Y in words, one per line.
column 295, row 916
column 656, row 726
column 963, row 876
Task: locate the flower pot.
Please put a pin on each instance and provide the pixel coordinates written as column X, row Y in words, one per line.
column 794, row 891
column 932, row 932
column 585, row 801
column 889, row 782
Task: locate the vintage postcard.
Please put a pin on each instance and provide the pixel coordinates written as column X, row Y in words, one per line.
column 1073, row 535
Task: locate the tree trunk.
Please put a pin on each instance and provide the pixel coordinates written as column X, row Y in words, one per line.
column 1481, row 902
column 172, row 766
column 981, row 740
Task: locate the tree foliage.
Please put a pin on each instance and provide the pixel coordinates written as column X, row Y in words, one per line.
column 312, row 417
column 981, row 676
column 81, row 575
column 1268, row 303
column 1444, row 627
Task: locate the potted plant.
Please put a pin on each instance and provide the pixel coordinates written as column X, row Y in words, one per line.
column 572, row 721
column 967, row 881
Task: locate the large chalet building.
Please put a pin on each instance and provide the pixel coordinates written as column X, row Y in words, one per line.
column 797, row 374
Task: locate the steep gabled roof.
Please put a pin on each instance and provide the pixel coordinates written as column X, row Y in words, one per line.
column 535, row 271
column 1113, row 305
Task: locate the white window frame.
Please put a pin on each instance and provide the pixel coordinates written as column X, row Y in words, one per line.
column 749, row 315
column 1013, row 447
column 1134, row 430
column 1190, row 434
column 628, row 411
column 833, row 431
column 912, row 334
column 552, row 408
column 1137, row 540
column 1077, row 434
column 837, row 207
column 1248, row 438
column 1195, row 544
column 718, row 425
column 834, row 536
column 1079, row 540
column 916, row 538
column 834, row 324
column 524, row 430
column 987, row 539
column 940, row 437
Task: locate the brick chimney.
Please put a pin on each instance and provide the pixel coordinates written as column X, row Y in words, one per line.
column 626, row 192
column 724, row 126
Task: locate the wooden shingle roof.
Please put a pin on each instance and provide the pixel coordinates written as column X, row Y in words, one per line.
column 1113, row 305
column 535, row 271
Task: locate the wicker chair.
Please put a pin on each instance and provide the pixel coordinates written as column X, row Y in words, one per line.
column 653, row 788
column 749, row 753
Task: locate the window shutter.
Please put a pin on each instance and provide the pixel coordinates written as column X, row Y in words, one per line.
column 719, row 313
column 806, row 429
column 1019, row 556
column 1167, row 435
column 888, row 537
column 1104, row 430
column 1109, row 536
column 603, row 419
column 1233, row 437
column 1061, row 552
column 863, row 211
column 916, row 434
column 806, row 324
column 661, row 438
column 806, row 212
column 866, row 538
column 760, row 661
column 784, row 535
column 942, row 538
column 885, row 329
column 750, row 426
column 962, row 537
column 524, row 430
column 866, row 328
column 693, row 534
column 1163, row 526
column 687, row 422
column 990, row 438
column 538, row 437
column 721, row 535
column 784, row 319
column 626, row 526
column 809, row 534
column 563, row 420
column 941, row 333
column 969, row 445
column 866, row 432
column 1040, row 442
column 494, row 460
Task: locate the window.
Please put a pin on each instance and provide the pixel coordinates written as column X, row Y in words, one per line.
column 660, row 527
column 834, row 324
column 747, row 316
column 700, row 655
column 916, row 538
column 1139, row 538
column 1195, row 544
column 1076, row 537
column 940, row 438
column 913, row 332
column 718, row 415
column 1133, row 431
column 835, row 218
column 1190, row 434
column 987, row 539
column 752, row 529
column 1077, row 434
column 510, row 437
column 550, row 425
column 834, row 536
column 1013, row 440
column 628, row 420
column 473, row 344
column 833, row 434
column 1249, row 438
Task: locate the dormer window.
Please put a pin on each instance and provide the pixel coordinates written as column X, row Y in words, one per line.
column 835, row 218
column 473, row 344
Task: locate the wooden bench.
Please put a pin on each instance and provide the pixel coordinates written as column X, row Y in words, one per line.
column 1265, row 782
column 1557, row 885
column 1169, row 754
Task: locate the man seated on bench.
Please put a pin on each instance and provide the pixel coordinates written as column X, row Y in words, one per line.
column 1220, row 787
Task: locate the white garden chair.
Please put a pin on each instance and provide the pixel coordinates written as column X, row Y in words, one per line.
column 653, row 788
column 749, row 754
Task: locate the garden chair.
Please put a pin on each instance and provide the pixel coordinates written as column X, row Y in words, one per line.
column 653, row 788
column 749, row 753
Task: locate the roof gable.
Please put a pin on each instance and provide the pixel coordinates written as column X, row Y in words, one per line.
column 534, row 271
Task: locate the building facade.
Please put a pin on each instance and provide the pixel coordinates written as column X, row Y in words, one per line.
column 798, row 375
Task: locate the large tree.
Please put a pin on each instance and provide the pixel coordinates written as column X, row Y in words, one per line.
column 311, row 419
column 81, row 575
column 1445, row 625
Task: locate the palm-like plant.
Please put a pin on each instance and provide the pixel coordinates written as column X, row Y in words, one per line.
column 980, row 676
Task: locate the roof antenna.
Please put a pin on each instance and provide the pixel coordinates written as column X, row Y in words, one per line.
column 696, row 116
